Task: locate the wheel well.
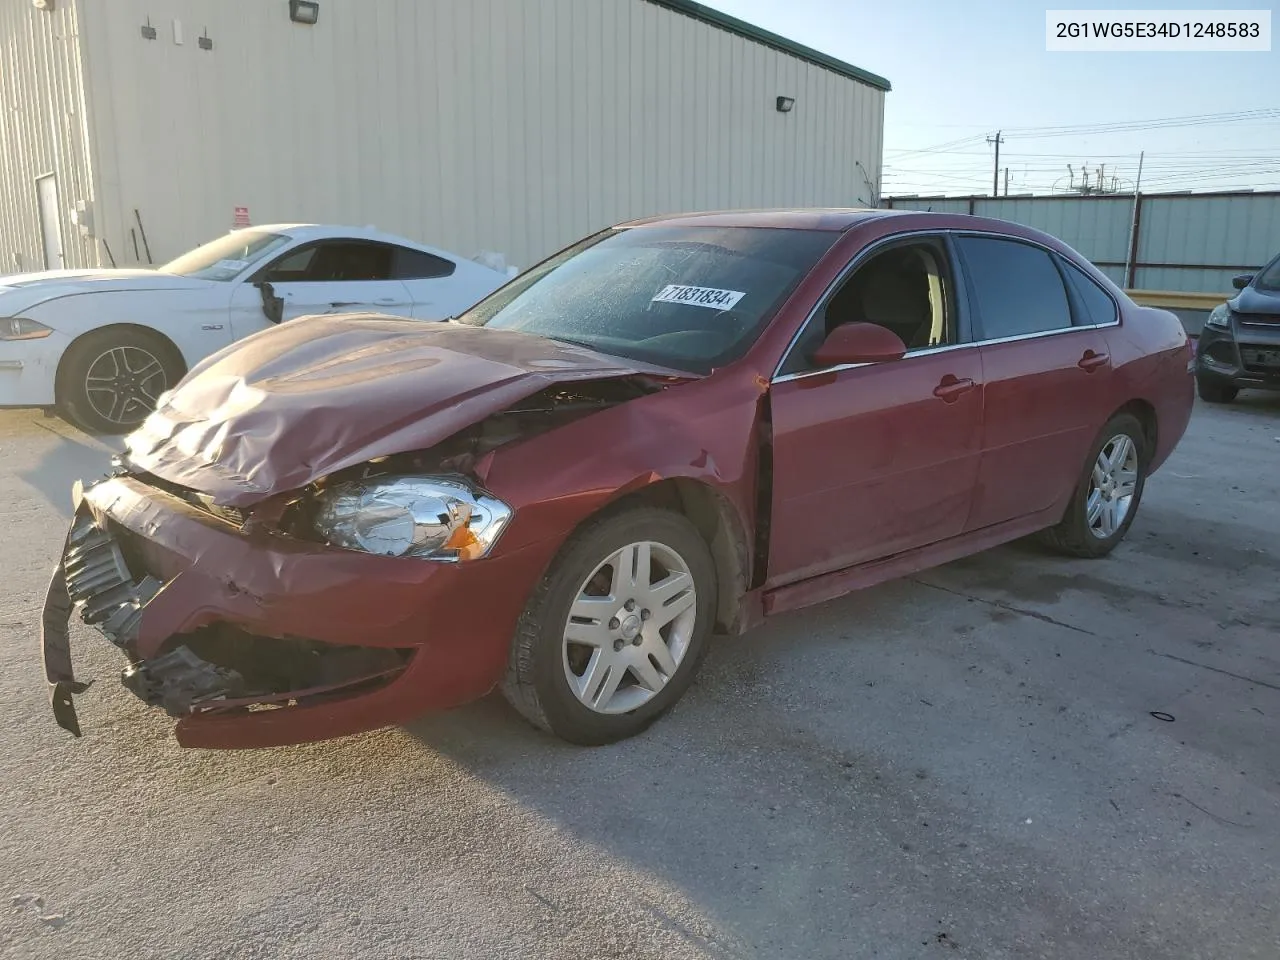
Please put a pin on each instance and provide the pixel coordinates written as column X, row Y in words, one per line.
column 175, row 353
column 1146, row 415
column 717, row 521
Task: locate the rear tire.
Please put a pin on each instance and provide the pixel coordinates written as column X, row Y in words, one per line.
column 109, row 380
column 599, row 654
column 1107, row 494
column 1212, row 392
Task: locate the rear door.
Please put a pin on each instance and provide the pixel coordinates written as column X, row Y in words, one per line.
column 870, row 460
column 1046, row 370
column 338, row 276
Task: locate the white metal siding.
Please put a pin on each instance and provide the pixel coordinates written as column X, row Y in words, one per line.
column 502, row 125
column 42, row 131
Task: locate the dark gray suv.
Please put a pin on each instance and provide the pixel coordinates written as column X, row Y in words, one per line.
column 1240, row 345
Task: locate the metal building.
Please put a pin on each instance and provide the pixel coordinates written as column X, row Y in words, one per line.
column 132, row 130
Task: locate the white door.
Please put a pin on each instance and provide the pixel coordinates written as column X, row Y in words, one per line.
column 338, row 276
column 344, row 296
column 50, row 223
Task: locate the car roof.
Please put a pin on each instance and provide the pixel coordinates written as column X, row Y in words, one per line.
column 322, row 231
column 795, row 218
column 839, row 220
column 317, row 231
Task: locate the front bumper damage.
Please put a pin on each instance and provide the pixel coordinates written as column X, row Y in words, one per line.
column 254, row 639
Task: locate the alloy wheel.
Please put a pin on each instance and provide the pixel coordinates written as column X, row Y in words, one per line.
column 1112, row 486
column 629, row 627
column 123, row 384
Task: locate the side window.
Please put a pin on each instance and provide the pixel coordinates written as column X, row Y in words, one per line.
column 906, row 289
column 291, row 268
column 350, row 260
column 1099, row 307
column 416, row 265
column 1016, row 288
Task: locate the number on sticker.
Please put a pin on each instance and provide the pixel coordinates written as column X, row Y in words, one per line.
column 709, row 297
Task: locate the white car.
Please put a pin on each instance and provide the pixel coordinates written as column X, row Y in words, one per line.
column 102, row 345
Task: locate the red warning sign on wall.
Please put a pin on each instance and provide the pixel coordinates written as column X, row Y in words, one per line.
column 242, row 217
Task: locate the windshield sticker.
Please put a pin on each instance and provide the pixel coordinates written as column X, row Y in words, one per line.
column 699, row 296
column 231, row 264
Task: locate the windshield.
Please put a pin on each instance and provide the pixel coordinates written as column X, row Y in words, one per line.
column 691, row 298
column 227, row 257
column 1269, row 276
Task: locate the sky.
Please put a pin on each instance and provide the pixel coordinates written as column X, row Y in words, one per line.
column 968, row 68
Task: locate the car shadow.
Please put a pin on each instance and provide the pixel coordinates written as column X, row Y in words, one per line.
column 74, row 456
column 757, row 798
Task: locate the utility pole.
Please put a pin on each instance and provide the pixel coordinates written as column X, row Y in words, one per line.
column 1131, row 266
column 995, row 176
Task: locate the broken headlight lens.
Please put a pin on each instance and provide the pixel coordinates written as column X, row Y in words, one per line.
column 1220, row 317
column 20, row 328
column 432, row 518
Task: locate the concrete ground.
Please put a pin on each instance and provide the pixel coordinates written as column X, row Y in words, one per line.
column 1011, row 756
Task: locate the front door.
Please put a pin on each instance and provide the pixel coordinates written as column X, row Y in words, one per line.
column 870, row 460
column 1046, row 368
column 336, row 276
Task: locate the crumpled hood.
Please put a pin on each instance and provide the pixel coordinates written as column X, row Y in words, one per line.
column 24, row 290
column 312, row 396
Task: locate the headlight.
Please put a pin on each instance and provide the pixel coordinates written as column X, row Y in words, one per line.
column 428, row 517
column 20, row 328
column 1220, row 317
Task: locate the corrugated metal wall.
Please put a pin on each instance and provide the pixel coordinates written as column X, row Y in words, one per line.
column 501, row 125
column 1186, row 242
column 1240, row 233
column 42, row 131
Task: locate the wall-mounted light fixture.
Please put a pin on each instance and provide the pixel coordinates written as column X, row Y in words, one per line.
column 304, row 11
column 45, row 4
column 785, row 104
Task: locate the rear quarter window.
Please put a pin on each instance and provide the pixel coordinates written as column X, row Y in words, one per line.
column 417, row 265
column 1099, row 307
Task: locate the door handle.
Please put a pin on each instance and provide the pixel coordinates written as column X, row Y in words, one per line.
column 1091, row 361
column 951, row 388
column 386, row 301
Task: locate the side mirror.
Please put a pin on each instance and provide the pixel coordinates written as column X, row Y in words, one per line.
column 1242, row 281
column 859, row 343
column 272, row 306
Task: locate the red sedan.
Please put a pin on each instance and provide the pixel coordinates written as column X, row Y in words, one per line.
column 675, row 428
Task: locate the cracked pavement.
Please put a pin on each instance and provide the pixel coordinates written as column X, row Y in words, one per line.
column 1014, row 755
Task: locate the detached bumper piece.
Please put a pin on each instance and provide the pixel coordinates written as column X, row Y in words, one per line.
column 99, row 582
column 217, row 669
column 93, row 575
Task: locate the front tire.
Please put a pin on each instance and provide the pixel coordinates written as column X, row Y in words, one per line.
column 1212, row 392
column 110, row 379
column 1108, row 493
column 614, row 633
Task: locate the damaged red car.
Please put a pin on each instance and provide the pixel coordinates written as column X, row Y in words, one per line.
column 675, row 428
